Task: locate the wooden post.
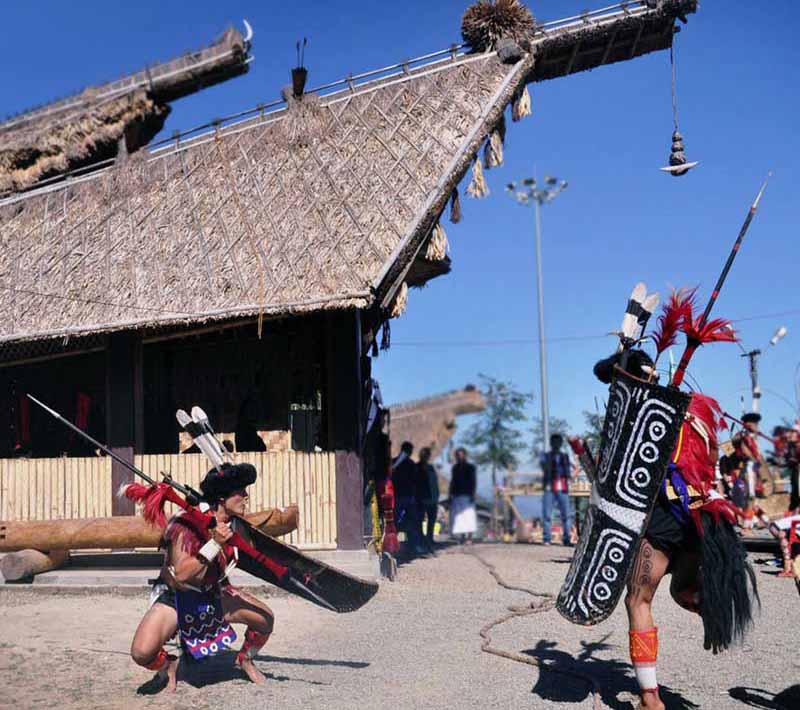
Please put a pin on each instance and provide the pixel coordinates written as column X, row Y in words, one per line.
column 344, row 381
column 345, row 425
column 349, row 501
column 123, row 381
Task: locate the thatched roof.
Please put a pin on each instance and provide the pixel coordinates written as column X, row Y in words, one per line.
column 87, row 127
column 328, row 202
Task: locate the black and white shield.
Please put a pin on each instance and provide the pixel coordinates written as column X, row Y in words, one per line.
column 641, row 428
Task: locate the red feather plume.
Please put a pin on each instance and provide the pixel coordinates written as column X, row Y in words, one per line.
column 153, row 498
column 669, row 322
column 697, row 454
column 714, row 331
column 717, row 330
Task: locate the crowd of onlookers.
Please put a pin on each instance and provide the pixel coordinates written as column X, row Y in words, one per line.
column 416, row 493
column 418, row 508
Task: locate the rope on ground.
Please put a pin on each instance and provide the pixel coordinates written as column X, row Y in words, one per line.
column 520, row 610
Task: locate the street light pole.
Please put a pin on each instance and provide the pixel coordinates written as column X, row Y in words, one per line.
column 542, row 349
column 752, row 357
column 526, row 192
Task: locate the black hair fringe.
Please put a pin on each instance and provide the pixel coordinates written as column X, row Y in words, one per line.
column 729, row 586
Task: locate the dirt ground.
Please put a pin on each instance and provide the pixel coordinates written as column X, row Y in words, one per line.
column 415, row 645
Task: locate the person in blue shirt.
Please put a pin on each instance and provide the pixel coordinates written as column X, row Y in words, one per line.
column 556, row 473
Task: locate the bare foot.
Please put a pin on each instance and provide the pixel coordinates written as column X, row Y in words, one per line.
column 170, row 674
column 255, row 675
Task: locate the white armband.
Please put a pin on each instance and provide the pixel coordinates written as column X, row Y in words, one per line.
column 210, row 550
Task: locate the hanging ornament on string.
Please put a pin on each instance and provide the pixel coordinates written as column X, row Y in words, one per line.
column 678, row 165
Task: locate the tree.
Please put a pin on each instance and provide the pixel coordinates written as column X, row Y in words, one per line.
column 494, row 439
column 594, row 429
column 557, row 426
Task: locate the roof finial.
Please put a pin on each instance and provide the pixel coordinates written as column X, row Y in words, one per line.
column 487, row 21
column 300, row 73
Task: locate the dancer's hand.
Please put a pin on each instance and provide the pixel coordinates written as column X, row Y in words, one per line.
column 222, row 533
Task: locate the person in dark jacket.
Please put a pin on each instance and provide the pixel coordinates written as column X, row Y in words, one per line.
column 463, row 484
column 428, row 494
column 404, row 478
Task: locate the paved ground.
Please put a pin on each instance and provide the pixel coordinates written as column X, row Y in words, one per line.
column 416, row 645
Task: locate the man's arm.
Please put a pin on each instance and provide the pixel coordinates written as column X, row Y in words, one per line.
column 192, row 569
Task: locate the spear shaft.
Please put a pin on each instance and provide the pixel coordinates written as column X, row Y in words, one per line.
column 692, row 346
column 192, row 496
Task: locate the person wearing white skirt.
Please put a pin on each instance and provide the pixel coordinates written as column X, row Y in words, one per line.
column 463, row 483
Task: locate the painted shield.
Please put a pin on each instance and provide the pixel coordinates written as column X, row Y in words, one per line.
column 641, row 429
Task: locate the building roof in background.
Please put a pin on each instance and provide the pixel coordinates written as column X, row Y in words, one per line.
column 328, row 201
column 85, row 128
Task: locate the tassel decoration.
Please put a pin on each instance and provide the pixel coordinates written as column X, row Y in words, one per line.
column 386, row 336
column 493, row 152
column 437, row 244
column 455, row 207
column 478, row 187
column 522, row 105
column 400, row 302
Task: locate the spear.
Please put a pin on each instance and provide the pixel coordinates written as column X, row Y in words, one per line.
column 693, row 344
column 757, row 433
column 203, row 522
column 192, row 496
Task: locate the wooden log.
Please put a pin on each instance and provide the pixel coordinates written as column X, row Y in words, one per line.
column 119, row 532
column 28, row 563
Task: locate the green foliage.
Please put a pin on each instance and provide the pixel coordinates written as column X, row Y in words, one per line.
column 594, row 428
column 494, row 439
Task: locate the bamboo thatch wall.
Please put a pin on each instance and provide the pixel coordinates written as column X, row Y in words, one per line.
column 59, row 488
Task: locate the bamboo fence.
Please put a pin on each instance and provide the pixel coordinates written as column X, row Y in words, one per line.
column 63, row 488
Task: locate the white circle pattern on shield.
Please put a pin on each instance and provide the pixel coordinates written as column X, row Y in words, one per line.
column 648, row 452
column 601, row 592
column 640, row 477
column 609, row 573
column 657, row 430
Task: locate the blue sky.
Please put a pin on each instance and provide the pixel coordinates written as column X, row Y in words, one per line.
column 606, row 131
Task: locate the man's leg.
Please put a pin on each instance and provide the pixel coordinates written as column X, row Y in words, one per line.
column 650, row 566
column 156, row 628
column 430, row 515
column 566, row 515
column 243, row 608
column 547, row 514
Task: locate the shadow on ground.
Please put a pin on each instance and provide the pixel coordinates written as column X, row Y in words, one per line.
column 221, row 669
column 759, row 698
column 564, row 678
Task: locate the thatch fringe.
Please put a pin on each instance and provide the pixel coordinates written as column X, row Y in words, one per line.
column 437, row 244
column 522, row 105
column 400, row 302
column 455, row 207
column 477, row 187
